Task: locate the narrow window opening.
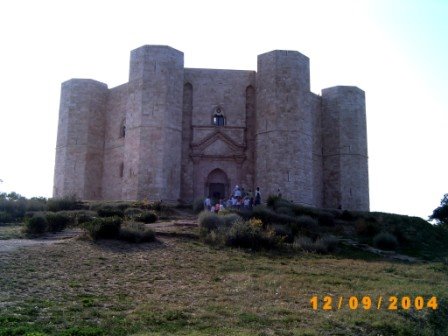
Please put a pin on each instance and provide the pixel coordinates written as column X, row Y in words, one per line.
column 122, row 129
column 121, row 169
column 218, row 118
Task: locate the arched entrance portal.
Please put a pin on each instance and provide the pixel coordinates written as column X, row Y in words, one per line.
column 217, row 184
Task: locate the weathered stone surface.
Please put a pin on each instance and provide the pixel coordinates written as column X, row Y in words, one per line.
column 155, row 137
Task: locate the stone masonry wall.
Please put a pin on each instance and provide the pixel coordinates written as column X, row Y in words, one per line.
column 79, row 151
column 284, row 133
column 153, row 137
column 211, row 89
column 114, row 165
column 345, row 168
column 154, row 124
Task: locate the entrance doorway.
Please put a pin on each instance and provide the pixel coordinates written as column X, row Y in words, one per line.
column 217, row 190
column 217, row 185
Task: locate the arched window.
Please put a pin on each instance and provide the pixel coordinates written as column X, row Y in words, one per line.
column 218, row 117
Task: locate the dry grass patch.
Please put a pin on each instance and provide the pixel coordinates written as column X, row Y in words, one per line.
column 183, row 287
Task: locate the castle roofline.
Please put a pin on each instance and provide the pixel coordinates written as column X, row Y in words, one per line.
column 84, row 81
column 283, row 52
column 157, row 46
column 220, row 70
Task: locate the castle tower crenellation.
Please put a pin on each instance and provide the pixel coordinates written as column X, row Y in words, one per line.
column 173, row 133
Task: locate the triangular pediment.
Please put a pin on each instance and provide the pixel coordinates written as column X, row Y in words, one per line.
column 217, row 144
column 218, row 147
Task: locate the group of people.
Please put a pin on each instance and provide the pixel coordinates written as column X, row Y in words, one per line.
column 240, row 199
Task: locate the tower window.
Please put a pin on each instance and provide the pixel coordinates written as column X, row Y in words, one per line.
column 218, row 117
column 122, row 129
column 121, row 169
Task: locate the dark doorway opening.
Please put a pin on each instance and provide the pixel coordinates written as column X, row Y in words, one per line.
column 217, row 190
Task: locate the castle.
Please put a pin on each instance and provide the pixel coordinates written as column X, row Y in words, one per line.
column 176, row 134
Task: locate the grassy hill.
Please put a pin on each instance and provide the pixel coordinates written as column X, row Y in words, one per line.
column 180, row 285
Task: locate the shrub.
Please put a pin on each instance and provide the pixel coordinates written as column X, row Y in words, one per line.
column 5, row 217
column 198, row 205
column 57, row 221
column 248, row 235
column 385, row 241
column 147, row 217
column 14, row 207
column 307, row 223
column 136, row 233
column 347, row 215
column 268, row 216
column 83, row 216
column 283, row 231
column 36, row 225
column 271, row 201
column 36, row 204
column 132, row 212
column 326, row 219
column 108, row 211
column 230, row 219
column 366, row 227
column 324, row 244
column 104, row 228
column 65, row 203
column 209, row 221
column 285, row 211
column 304, row 243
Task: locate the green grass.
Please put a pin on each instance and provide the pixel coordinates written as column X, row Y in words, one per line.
column 11, row 231
column 181, row 287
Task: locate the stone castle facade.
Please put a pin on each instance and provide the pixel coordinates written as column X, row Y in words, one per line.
column 176, row 134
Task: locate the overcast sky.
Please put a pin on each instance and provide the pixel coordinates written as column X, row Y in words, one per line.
column 396, row 51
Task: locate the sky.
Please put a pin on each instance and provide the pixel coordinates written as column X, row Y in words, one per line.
column 395, row 50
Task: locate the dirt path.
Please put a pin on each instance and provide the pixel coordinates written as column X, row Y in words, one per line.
column 10, row 245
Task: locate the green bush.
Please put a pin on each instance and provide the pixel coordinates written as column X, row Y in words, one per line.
column 132, row 212
column 326, row 244
column 243, row 234
column 385, row 241
column 322, row 245
column 104, row 228
column 271, row 201
column 14, row 207
column 83, row 216
column 307, row 223
column 5, row 217
column 230, row 219
column 65, row 203
column 367, row 227
column 285, row 211
column 326, row 219
column 147, row 217
column 347, row 215
column 136, row 233
column 209, row 221
column 268, row 216
column 121, row 205
column 283, row 231
column 36, row 225
column 57, row 221
column 108, row 211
